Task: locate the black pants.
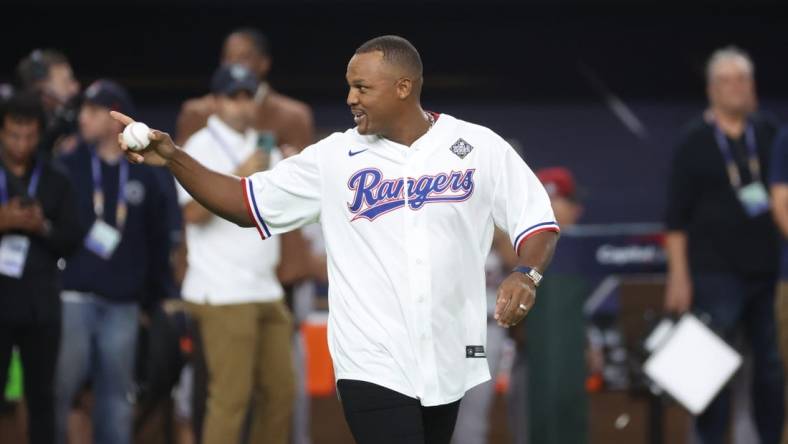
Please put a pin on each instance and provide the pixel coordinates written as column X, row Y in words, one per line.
column 734, row 301
column 377, row 415
column 38, row 346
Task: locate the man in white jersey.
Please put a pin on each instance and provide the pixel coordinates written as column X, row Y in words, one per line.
column 408, row 201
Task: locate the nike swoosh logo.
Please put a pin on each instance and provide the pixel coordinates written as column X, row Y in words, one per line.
column 352, row 153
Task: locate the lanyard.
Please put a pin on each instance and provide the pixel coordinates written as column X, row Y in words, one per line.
column 31, row 187
column 228, row 150
column 121, row 210
column 730, row 164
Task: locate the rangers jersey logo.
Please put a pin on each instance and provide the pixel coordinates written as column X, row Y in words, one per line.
column 375, row 196
column 461, row 148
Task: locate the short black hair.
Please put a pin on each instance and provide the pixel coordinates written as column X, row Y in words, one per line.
column 35, row 67
column 258, row 39
column 396, row 50
column 23, row 106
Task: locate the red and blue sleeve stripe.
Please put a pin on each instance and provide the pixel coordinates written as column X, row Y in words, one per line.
column 251, row 208
column 528, row 232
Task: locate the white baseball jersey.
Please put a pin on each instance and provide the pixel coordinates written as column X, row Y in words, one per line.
column 407, row 232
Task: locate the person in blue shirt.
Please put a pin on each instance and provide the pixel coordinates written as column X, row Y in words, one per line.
column 122, row 266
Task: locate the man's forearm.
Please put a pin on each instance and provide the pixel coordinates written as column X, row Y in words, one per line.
column 219, row 193
column 676, row 249
column 537, row 251
column 780, row 207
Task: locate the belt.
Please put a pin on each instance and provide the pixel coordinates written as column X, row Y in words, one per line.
column 77, row 296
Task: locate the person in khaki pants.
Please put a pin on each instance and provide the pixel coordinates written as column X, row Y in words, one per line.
column 247, row 352
column 231, row 284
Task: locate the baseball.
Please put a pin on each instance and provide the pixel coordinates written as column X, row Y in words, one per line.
column 135, row 135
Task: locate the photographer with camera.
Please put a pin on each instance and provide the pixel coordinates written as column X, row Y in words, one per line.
column 48, row 73
column 38, row 226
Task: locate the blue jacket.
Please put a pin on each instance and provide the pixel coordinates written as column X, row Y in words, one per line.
column 139, row 270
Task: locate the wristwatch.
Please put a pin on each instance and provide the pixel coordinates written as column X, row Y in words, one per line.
column 530, row 273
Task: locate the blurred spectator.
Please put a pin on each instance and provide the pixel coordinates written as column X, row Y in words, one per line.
column 474, row 416
column 307, row 298
column 283, row 121
column 231, row 281
column 38, row 226
column 779, row 189
column 557, row 409
column 287, row 120
column 721, row 241
column 123, row 264
column 48, row 73
column 560, row 186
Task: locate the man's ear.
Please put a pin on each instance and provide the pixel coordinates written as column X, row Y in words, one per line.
column 404, row 88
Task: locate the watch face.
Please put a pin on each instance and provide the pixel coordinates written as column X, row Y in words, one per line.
column 531, row 273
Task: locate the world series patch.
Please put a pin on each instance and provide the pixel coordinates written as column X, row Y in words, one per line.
column 461, row 148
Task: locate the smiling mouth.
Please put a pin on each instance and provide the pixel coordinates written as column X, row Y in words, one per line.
column 358, row 116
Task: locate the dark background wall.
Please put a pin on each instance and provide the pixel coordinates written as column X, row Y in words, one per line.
column 544, row 74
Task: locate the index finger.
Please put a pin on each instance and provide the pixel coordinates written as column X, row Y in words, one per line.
column 509, row 311
column 120, row 117
column 513, row 312
column 500, row 303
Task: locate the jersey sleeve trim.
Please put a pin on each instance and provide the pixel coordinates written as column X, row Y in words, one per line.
column 251, row 208
column 528, row 232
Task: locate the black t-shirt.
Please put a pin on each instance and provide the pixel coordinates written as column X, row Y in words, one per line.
column 35, row 297
column 702, row 202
